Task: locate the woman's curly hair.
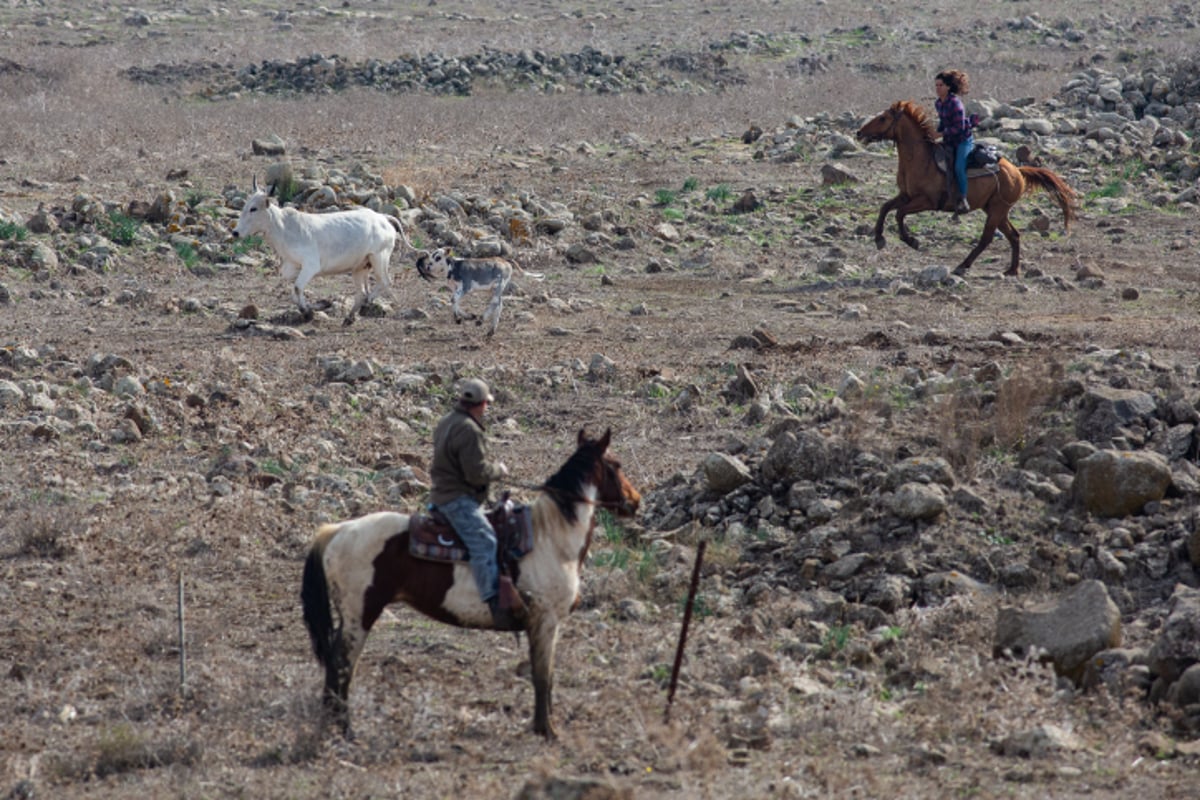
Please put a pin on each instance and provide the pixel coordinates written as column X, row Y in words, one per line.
column 956, row 79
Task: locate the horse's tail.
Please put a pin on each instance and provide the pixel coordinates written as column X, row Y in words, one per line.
column 1056, row 187
column 314, row 596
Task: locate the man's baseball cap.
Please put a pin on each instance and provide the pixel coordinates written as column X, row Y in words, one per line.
column 474, row 391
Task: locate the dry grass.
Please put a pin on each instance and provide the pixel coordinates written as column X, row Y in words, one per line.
column 90, row 583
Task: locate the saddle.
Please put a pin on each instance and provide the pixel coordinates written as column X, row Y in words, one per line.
column 432, row 537
column 984, row 159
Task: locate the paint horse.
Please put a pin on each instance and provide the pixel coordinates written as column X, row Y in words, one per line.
column 356, row 568
column 923, row 187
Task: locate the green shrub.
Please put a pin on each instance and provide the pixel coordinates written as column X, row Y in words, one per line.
column 187, row 254
column 121, row 228
column 665, row 197
column 13, row 230
column 719, row 193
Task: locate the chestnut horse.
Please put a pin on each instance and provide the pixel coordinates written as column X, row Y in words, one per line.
column 356, row 568
column 923, row 187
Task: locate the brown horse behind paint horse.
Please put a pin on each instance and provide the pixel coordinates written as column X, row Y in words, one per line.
column 923, row 187
column 356, row 568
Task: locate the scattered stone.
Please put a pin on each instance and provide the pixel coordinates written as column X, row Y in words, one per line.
column 1067, row 632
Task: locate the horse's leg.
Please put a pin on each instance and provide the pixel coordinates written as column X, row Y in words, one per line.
column 543, row 638
column 338, row 674
column 1014, row 240
column 989, row 233
column 915, row 205
column 883, row 212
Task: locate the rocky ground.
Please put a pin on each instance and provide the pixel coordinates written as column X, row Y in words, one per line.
column 952, row 547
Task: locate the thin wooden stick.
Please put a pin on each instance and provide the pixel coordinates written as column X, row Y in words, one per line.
column 182, row 651
column 683, row 631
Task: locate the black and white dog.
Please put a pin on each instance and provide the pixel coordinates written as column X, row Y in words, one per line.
column 465, row 274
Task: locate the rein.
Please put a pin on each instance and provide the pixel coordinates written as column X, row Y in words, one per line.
column 576, row 496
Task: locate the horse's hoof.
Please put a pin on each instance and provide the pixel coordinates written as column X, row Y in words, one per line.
column 961, row 271
column 879, row 243
column 347, row 322
column 306, row 315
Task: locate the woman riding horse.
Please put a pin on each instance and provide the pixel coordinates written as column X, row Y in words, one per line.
column 922, row 187
column 955, row 127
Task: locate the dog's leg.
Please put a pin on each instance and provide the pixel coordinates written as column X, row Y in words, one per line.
column 493, row 309
column 459, row 291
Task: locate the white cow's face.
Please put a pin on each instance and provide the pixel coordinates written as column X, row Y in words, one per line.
column 254, row 218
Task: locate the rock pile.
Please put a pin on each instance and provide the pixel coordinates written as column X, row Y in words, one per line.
column 858, row 535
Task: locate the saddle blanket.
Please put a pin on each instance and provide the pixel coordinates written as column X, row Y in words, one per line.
column 432, row 538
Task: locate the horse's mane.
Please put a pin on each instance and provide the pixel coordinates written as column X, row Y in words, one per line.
column 918, row 115
column 566, row 486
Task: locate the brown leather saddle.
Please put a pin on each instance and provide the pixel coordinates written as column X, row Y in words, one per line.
column 431, row 537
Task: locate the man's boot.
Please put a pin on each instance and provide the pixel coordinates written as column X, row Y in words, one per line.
column 508, row 609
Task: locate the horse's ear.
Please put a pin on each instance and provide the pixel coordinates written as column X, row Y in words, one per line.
column 581, row 437
column 605, row 439
column 271, row 193
column 255, row 185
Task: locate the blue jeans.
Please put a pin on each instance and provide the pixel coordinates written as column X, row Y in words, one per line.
column 472, row 525
column 961, row 151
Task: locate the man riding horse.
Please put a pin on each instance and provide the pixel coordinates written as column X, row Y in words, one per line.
column 461, row 474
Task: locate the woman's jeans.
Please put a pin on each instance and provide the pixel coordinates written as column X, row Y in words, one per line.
column 961, row 151
column 472, row 525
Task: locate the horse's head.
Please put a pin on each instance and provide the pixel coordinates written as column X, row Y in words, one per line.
column 613, row 489
column 881, row 127
column 902, row 120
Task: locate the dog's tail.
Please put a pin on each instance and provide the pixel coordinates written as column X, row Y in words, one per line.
column 536, row 276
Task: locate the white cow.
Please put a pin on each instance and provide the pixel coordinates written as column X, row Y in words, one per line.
column 359, row 241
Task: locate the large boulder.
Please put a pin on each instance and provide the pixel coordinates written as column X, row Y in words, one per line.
column 918, row 501
column 1104, row 411
column 723, row 473
column 804, row 455
column 1117, row 483
column 1178, row 645
column 919, row 469
column 1067, row 632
